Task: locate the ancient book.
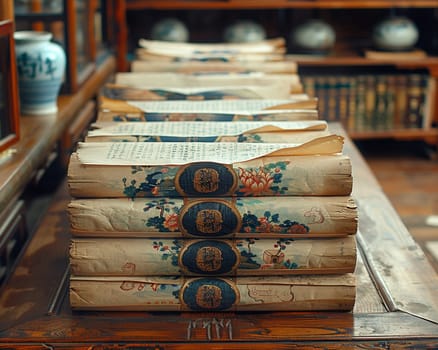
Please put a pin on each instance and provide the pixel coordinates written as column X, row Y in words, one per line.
column 214, row 67
column 278, row 89
column 267, row 293
column 300, row 107
column 228, row 57
column 209, row 257
column 296, row 101
column 190, row 169
column 265, row 132
column 416, row 100
column 180, row 80
column 279, row 217
column 108, row 115
column 266, row 50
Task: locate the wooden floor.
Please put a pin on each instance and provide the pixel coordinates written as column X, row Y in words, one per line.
column 410, row 180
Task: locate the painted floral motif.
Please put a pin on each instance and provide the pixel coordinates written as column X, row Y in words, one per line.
column 264, row 180
column 271, row 223
column 140, row 287
column 168, row 252
column 267, row 258
column 151, row 184
column 167, row 218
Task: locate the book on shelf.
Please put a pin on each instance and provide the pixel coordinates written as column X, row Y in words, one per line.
column 168, row 169
column 209, row 257
column 214, row 67
column 416, row 95
column 267, row 293
column 241, row 217
column 375, row 101
column 260, row 132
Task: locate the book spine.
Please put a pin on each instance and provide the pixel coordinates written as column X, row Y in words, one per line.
column 370, row 102
column 400, row 101
column 380, row 115
column 352, row 93
column 286, row 217
column 265, row 176
column 391, row 93
column 245, row 257
column 288, row 293
column 361, row 104
column 416, row 95
column 343, row 105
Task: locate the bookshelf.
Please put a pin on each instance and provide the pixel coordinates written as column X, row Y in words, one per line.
column 352, row 20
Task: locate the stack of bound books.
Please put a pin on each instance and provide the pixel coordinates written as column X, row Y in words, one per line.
column 210, row 216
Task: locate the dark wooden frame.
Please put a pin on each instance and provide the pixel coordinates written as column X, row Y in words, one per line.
column 9, row 71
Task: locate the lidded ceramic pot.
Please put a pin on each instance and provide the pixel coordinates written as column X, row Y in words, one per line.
column 244, row 31
column 395, row 33
column 170, row 29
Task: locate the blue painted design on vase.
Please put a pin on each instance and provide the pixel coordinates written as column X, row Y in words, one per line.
column 41, row 67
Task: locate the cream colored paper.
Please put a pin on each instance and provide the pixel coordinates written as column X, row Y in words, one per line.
column 324, row 175
column 273, row 293
column 217, row 81
column 201, row 129
column 220, row 106
column 265, row 46
column 153, row 257
column 313, row 216
column 179, row 153
column 190, row 67
column 111, row 112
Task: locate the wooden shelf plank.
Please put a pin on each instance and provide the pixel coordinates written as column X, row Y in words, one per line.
column 272, row 4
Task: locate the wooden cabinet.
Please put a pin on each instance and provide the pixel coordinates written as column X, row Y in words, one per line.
column 45, row 141
column 84, row 29
column 353, row 22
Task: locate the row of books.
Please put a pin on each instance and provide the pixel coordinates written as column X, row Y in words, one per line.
column 173, row 210
column 373, row 102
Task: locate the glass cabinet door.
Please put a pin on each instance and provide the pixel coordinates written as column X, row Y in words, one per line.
column 80, row 26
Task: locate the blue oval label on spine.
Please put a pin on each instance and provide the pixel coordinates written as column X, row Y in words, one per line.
column 206, row 179
column 213, row 218
column 208, row 294
column 209, row 257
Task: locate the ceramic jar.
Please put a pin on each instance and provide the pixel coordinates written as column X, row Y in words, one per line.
column 395, row 34
column 170, row 29
column 244, row 31
column 41, row 68
column 313, row 35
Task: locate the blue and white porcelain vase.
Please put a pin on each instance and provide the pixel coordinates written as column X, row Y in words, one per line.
column 244, row 31
column 41, row 67
column 170, row 29
column 314, row 35
column 395, row 33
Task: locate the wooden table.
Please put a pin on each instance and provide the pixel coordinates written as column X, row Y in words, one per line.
column 397, row 297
